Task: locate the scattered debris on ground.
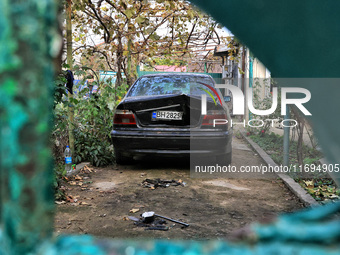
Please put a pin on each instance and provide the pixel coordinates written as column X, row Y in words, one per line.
column 152, row 221
column 134, row 210
column 81, row 180
column 155, row 183
column 204, row 206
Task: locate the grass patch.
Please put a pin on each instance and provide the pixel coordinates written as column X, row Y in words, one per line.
column 273, row 145
column 316, row 183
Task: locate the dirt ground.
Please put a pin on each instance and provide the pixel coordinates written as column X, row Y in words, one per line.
column 213, row 207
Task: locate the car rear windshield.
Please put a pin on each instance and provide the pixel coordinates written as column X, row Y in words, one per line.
column 163, row 85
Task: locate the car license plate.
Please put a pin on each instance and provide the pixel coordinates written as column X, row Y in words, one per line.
column 167, row 115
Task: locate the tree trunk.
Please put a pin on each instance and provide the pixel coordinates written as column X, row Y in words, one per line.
column 70, row 64
column 129, row 73
column 119, row 61
column 299, row 130
column 299, row 150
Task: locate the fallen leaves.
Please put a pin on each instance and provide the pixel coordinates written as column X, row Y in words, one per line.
column 134, row 210
column 71, row 199
column 309, row 184
column 81, row 180
column 87, row 170
column 78, row 178
column 321, row 189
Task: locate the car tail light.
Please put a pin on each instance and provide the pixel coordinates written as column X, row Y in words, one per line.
column 124, row 117
column 208, row 119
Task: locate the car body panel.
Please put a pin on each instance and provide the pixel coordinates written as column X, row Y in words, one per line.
column 175, row 137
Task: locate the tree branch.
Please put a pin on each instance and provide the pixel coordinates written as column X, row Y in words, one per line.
column 99, row 19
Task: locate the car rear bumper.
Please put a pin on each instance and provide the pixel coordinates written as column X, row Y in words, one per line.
column 171, row 142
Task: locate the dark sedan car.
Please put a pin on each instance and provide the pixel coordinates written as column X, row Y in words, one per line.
column 161, row 115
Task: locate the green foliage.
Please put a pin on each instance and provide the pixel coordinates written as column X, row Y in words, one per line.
column 93, row 124
column 309, row 161
column 322, row 189
column 59, row 88
column 319, row 185
column 264, row 103
column 59, row 136
column 272, row 144
column 133, row 33
column 59, row 174
column 93, row 121
column 166, row 60
column 89, row 148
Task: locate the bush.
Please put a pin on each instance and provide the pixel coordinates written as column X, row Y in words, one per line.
column 89, row 147
column 93, row 121
column 59, row 174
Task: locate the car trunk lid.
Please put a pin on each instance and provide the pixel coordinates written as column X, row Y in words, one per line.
column 146, row 109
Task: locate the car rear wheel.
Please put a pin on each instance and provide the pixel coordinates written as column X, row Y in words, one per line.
column 224, row 159
column 121, row 159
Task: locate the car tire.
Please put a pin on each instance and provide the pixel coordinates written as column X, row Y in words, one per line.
column 224, row 159
column 121, row 159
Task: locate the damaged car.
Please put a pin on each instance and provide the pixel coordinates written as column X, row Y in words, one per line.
column 161, row 115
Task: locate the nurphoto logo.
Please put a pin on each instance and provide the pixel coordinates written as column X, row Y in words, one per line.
column 239, row 102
